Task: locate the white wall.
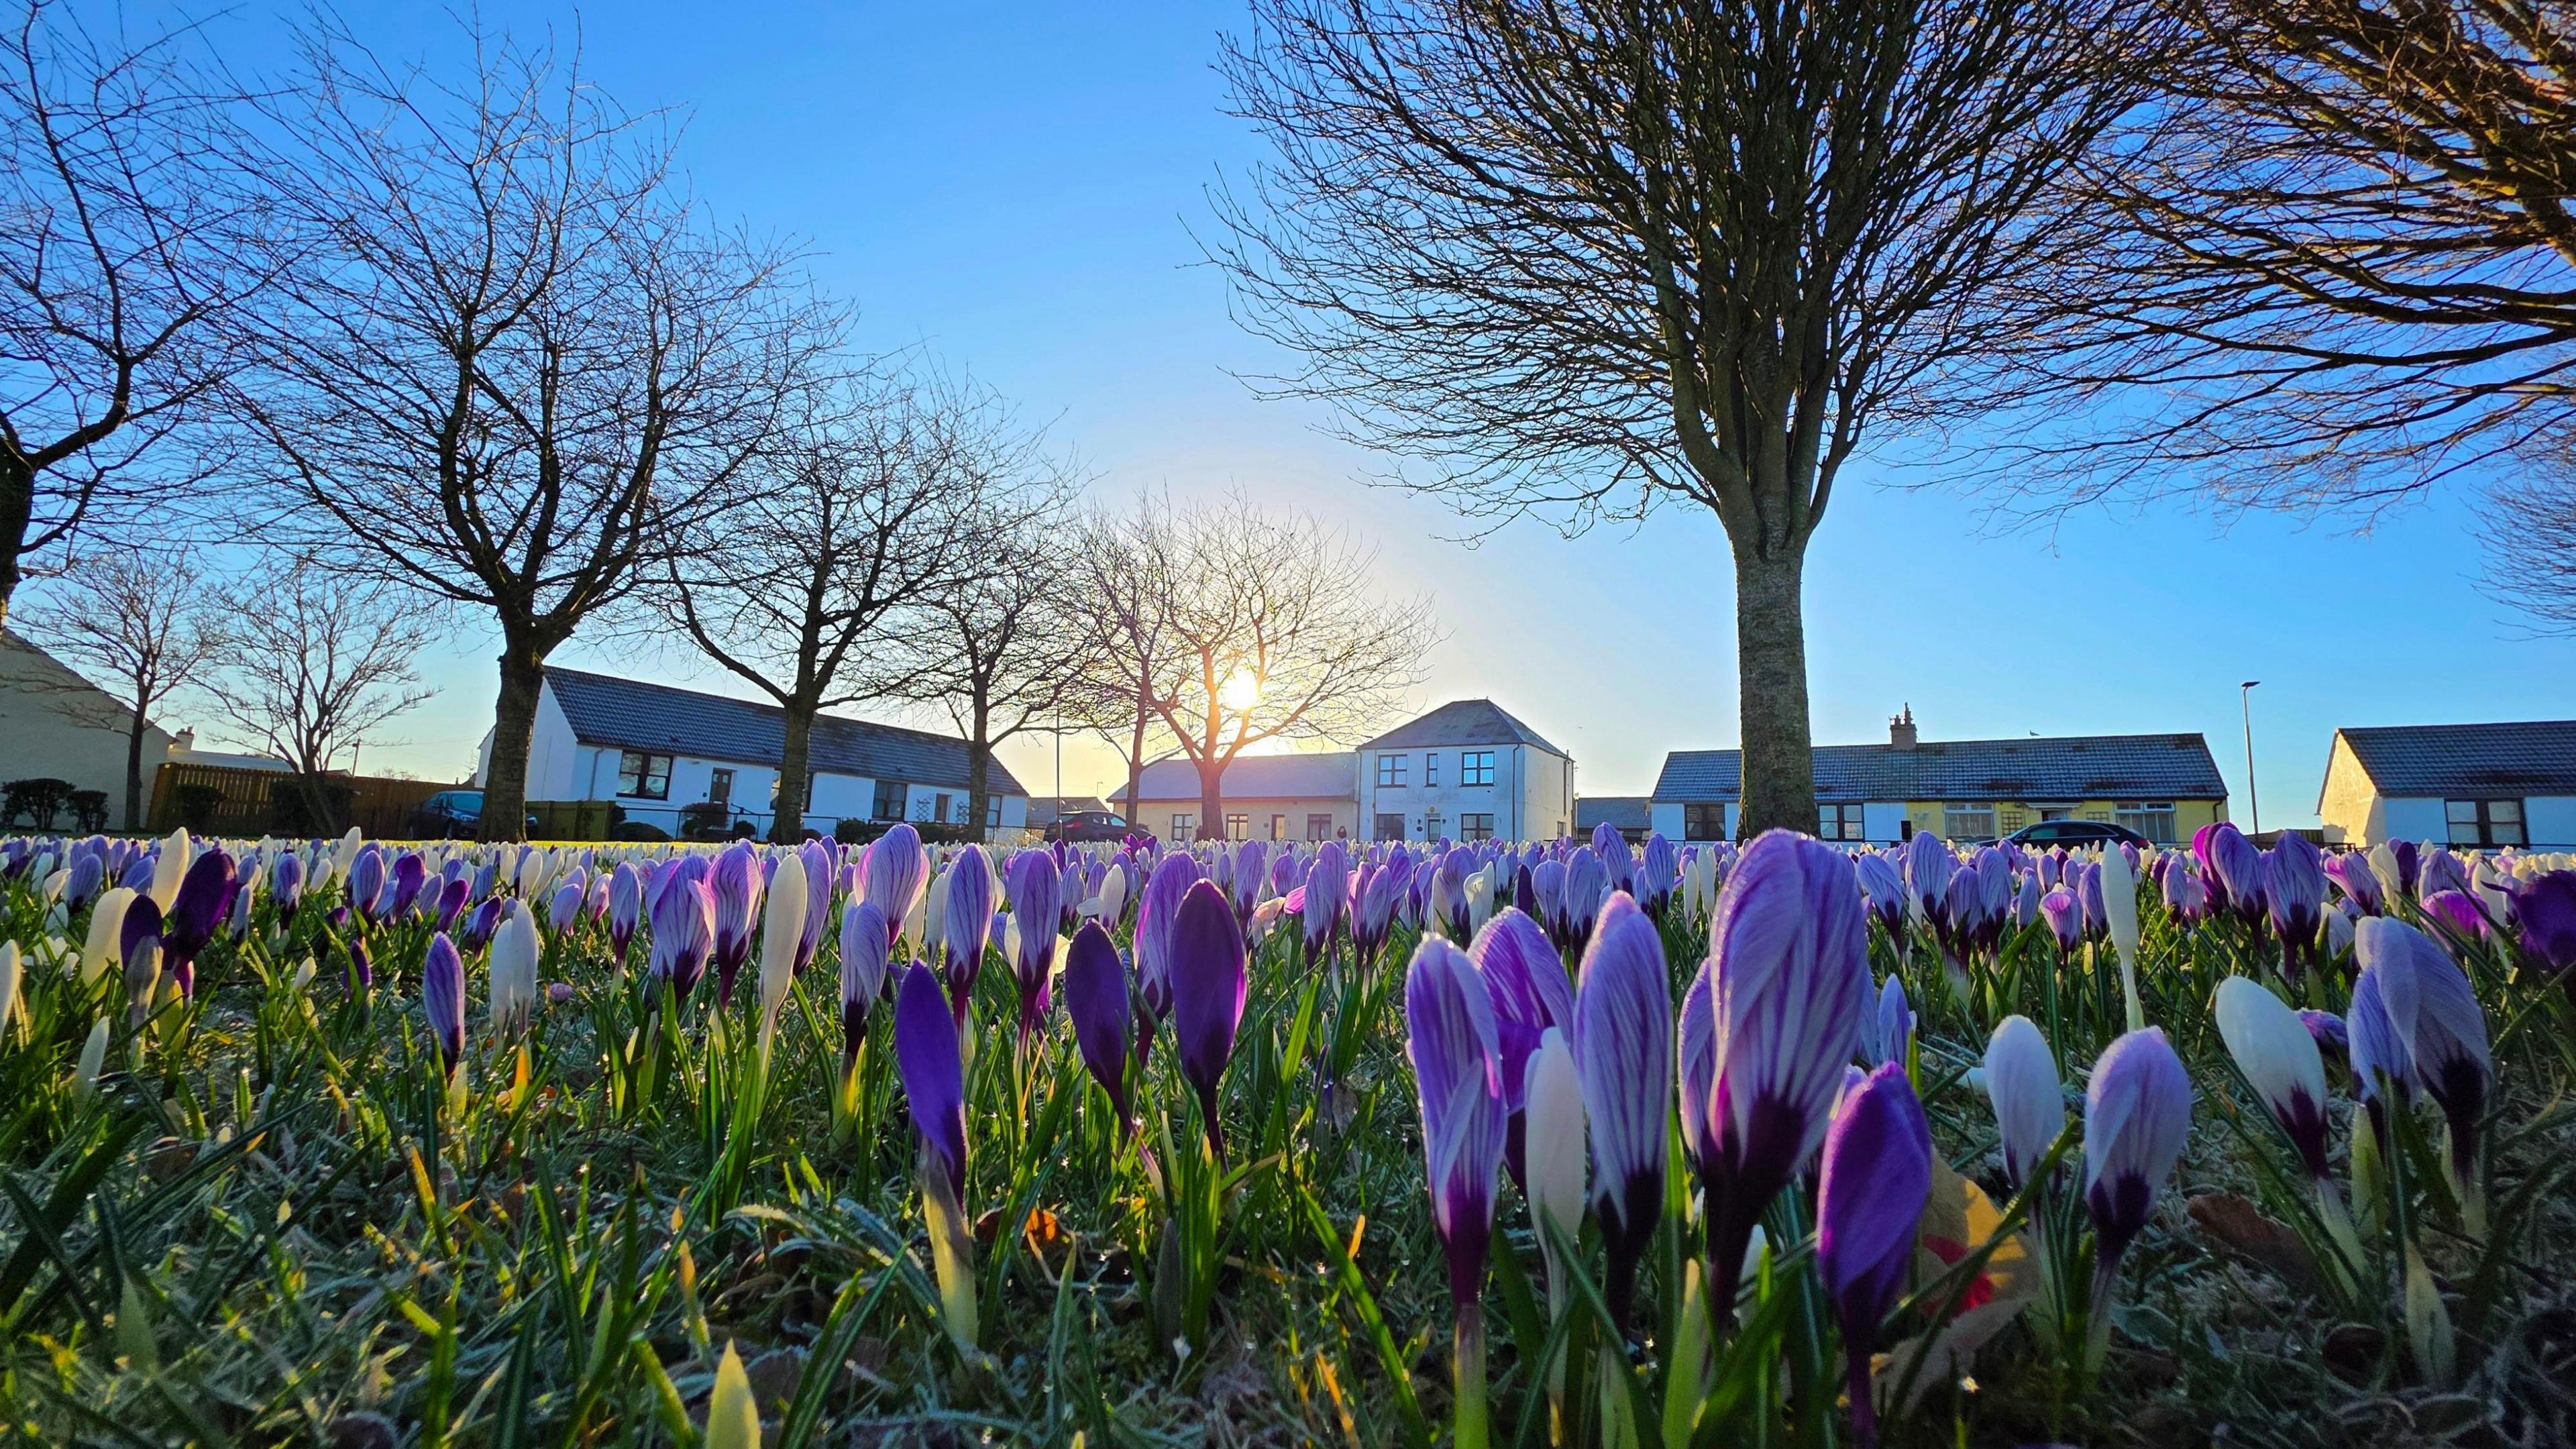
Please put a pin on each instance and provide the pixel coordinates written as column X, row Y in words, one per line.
column 2551, row 820
column 1531, row 797
column 1883, row 820
column 2408, row 818
column 1664, row 817
column 59, row 726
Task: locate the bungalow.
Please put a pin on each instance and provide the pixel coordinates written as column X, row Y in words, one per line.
column 1467, row 769
column 2475, row 786
column 1272, row 797
column 2162, row 786
column 62, row 727
column 657, row 751
column 1631, row 815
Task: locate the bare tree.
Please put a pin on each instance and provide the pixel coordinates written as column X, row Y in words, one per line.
column 121, row 244
column 1274, row 630
column 1122, row 604
column 1004, row 651
column 513, row 366
column 1585, row 257
column 874, row 498
column 315, row 662
column 2333, row 264
column 139, row 622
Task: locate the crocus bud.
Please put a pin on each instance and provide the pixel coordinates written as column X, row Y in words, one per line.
column 782, row 929
column 1095, row 997
column 138, row 949
column 2120, row 920
column 442, row 1000
column 511, row 971
column 1791, row 965
column 1035, row 886
column 106, row 927
column 966, row 923
column 2030, row 1107
column 734, row 883
column 934, row 1092
column 1526, row 979
column 2065, row 917
column 2135, row 1120
column 1449, row 1034
column 1208, row 986
column 2547, row 911
column 892, row 875
column 1891, row 1035
column 1623, row 1036
column 2294, row 889
column 2425, row 1018
column 1877, row 1176
column 171, row 868
column 2278, row 1056
column 1554, row 1134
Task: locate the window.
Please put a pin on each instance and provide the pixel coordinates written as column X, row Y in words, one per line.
column 1238, row 827
column 1319, row 827
column 1390, row 773
column 1184, row 826
column 1476, row 767
column 2151, row 818
column 644, row 777
column 889, row 800
column 1390, row 827
column 1839, row 822
column 993, row 812
column 1968, row 819
column 1430, row 767
column 1704, row 821
column 1279, row 827
column 2485, row 822
column 720, row 787
column 1472, row 826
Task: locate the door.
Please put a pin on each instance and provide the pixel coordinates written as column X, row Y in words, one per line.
column 720, row 787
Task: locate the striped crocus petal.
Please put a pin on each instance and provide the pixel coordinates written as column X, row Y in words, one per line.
column 1876, row 1178
column 2431, row 1014
column 1790, row 957
column 966, row 923
column 934, row 1079
column 683, row 932
column 2276, row 1053
column 822, row 867
column 734, row 884
column 1526, row 978
column 1695, row 1064
column 442, row 999
column 2136, row 1117
column 1457, row 1074
column 893, row 874
column 1095, row 996
column 865, row 957
column 1894, row 1037
column 1036, row 888
column 1623, row 1047
column 1155, row 909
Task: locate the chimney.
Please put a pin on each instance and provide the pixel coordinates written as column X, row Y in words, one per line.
column 184, row 741
column 1900, row 730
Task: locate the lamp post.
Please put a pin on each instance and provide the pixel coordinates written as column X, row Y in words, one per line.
column 2253, row 797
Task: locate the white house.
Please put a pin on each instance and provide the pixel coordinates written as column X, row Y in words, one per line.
column 59, row 726
column 1469, row 771
column 2481, row 786
column 1267, row 797
column 657, row 750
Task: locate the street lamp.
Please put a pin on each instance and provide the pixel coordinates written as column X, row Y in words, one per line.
column 2253, row 797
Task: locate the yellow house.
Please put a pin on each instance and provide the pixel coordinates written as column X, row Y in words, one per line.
column 2162, row 786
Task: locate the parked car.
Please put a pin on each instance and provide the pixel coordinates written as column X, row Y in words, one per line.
column 452, row 815
column 1088, row 825
column 2074, row 834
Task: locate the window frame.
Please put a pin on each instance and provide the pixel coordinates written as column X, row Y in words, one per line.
column 1391, row 770
column 1319, row 827
column 1238, row 827
column 1959, row 819
column 900, row 791
column 1476, row 825
column 643, row 775
column 2141, row 816
column 1380, row 825
column 1185, row 823
column 2484, row 825
column 1849, row 823
column 1430, row 768
column 1695, row 818
column 1476, row 767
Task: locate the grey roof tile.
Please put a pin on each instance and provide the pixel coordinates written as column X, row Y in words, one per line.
column 1462, row 722
column 631, row 714
column 1622, row 812
column 1324, row 775
column 2074, row 767
column 2536, row 757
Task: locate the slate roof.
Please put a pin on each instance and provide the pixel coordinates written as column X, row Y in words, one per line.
column 2536, row 757
column 633, row 715
column 1462, row 722
column 1329, row 775
column 1621, row 812
column 1045, row 810
column 2075, row 767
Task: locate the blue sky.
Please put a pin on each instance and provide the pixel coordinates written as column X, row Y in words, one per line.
column 1014, row 186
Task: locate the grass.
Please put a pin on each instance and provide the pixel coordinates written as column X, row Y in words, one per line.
column 270, row 1221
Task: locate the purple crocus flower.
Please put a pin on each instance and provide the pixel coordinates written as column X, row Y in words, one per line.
column 1035, row 883
column 1928, row 868
column 1623, row 1053
column 2294, row 891
column 2236, row 864
column 442, row 1000
column 1884, row 891
column 2408, row 862
column 625, row 910
column 1208, row 985
column 87, row 871
column 734, row 886
column 2327, row 1030
column 2442, row 871
column 1877, row 1177
column 1695, row 1066
column 683, row 917
column 893, row 875
column 409, row 875
column 1790, row 957
column 366, row 886
column 1373, row 912
column 1095, row 996
column 1587, row 884
column 2548, row 911
column 2087, row 879
column 864, row 960
column 205, row 896
column 1527, row 981
column 2065, row 917
column 1457, row 1067
column 2135, row 1119
column 2279, row 1057
column 1892, row 1040
column 480, row 925
column 966, row 925
column 821, row 865
column 1156, row 908
column 934, row 1079
column 2352, row 874
column 1328, row 889
column 138, row 950
column 451, row 904
column 1250, row 858
column 2425, row 1004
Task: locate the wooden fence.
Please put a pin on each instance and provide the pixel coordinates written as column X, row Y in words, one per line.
column 263, row 802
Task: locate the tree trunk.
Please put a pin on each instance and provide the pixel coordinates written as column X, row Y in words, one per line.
column 1136, row 768
column 1779, row 784
column 979, row 774
column 514, row 724
column 1211, row 798
column 788, row 827
column 134, row 771
column 17, row 509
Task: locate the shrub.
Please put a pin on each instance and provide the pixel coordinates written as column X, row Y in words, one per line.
column 310, row 808
column 196, row 806
column 89, row 810
column 638, row 830
column 856, row 832
column 39, row 797
column 704, row 820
